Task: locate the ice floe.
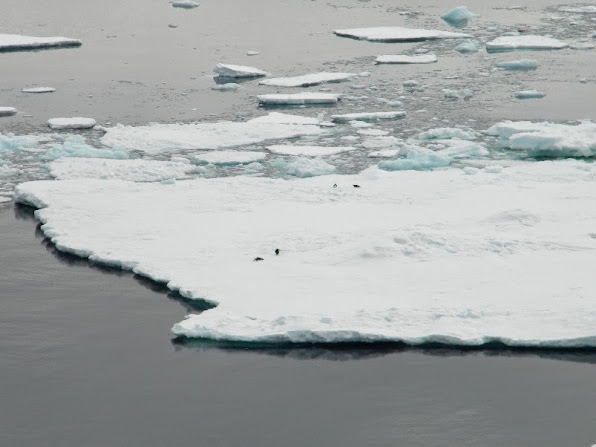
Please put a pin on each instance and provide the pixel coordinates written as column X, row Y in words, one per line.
column 548, row 139
column 303, row 167
column 157, row 138
column 132, row 170
column 458, row 17
column 405, row 59
column 71, row 123
column 519, row 65
column 238, row 71
column 397, row 34
column 298, row 98
column 367, row 116
column 231, row 157
column 589, row 9
column 379, row 265
column 7, row 111
column 185, row 4
column 447, row 133
column 15, row 42
column 309, row 151
column 524, row 42
column 38, row 90
column 582, row 46
column 76, row 146
column 227, row 87
column 307, row 80
column 467, row 47
column 529, row 94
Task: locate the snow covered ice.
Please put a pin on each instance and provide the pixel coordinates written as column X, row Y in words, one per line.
column 307, row 80
column 7, row 111
column 299, row 98
column 529, row 94
column 38, row 90
column 397, row 34
column 231, row 157
column 379, row 266
column 238, row 71
column 458, row 17
column 405, row 59
column 519, row 65
column 71, row 123
column 524, row 42
column 470, row 46
column 15, row 42
column 367, row 116
column 310, row 151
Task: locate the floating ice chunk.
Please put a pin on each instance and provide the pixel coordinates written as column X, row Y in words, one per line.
column 519, row 65
column 230, row 86
column 252, row 53
column 367, row 116
column 446, row 133
column 15, row 42
column 7, row 111
column 132, row 170
column 524, row 42
column 231, row 157
column 71, row 123
column 299, row 98
column 529, row 94
column 158, row 138
column 238, row 71
column 457, row 149
column 582, row 46
column 417, row 160
column 12, row 143
column 185, row 4
column 305, row 167
column 397, row 34
column 470, row 46
column 307, row 80
column 405, row 59
column 379, row 142
column 308, row 151
column 590, row 9
column 384, row 153
column 75, row 146
column 548, row 139
column 38, row 90
column 373, row 132
column 458, row 17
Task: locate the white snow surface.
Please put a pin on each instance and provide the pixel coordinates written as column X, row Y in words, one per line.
column 307, row 80
column 410, row 256
column 231, row 157
column 309, row 151
column 238, row 71
column 299, row 98
column 16, row 42
column 7, row 111
column 405, row 59
column 71, row 123
column 38, row 90
column 132, row 170
column 367, row 116
column 524, row 42
column 397, row 34
column 156, row 138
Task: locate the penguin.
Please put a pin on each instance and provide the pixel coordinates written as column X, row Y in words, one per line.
column 335, row 185
column 356, row 186
column 277, row 251
column 258, row 258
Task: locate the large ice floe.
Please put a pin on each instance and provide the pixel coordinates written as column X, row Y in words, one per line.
column 308, row 80
column 524, row 42
column 409, row 256
column 71, row 123
column 548, row 139
column 16, row 42
column 238, row 71
column 157, row 138
column 8, row 111
column 397, row 34
column 405, row 59
column 298, row 98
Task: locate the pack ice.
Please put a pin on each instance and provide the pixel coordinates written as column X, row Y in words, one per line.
column 397, row 34
column 238, row 71
column 15, row 42
column 156, row 138
column 298, row 98
column 405, row 59
column 367, row 116
column 309, row 151
column 307, row 80
column 71, row 123
column 524, row 42
column 503, row 256
column 231, row 157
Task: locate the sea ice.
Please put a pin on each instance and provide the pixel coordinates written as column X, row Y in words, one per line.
column 590, row 9
column 417, row 160
column 7, row 111
column 356, row 264
column 582, row 46
column 519, row 65
column 367, row 116
column 299, row 98
column 385, row 153
column 470, row 46
column 185, row 4
column 308, row 151
column 238, row 71
column 132, row 170
column 71, row 123
column 397, row 34
column 405, row 59
column 156, row 138
column 446, row 133
column 231, row 157
column 75, row 146
column 458, row 17
column 38, row 90
column 529, row 94
column 15, row 42
column 304, row 167
column 230, row 86
column 307, row 80
column 524, row 42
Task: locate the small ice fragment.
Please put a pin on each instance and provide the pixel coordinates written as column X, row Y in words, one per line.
column 582, row 46
column 405, row 59
column 470, row 46
column 591, row 9
column 458, row 17
column 307, row 80
column 230, row 86
column 185, row 4
column 524, row 42
column 364, row 74
column 7, row 111
column 238, row 71
column 519, row 65
column 15, row 42
column 370, row 116
column 252, row 53
column 447, row 133
column 384, row 153
column 71, row 123
column 529, row 94
column 299, row 98
column 38, row 90
column 397, row 34
column 410, row 83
